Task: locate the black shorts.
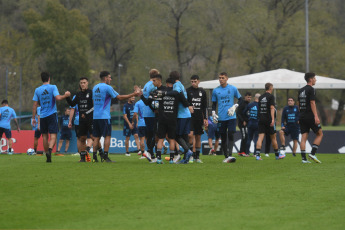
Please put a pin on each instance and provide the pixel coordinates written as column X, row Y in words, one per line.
column 127, row 132
column 196, row 126
column 264, row 127
column 307, row 124
column 85, row 127
column 292, row 130
column 142, row 131
column 7, row 132
column 49, row 124
column 37, row 133
column 66, row 135
column 167, row 127
column 183, row 126
column 227, row 126
column 101, row 128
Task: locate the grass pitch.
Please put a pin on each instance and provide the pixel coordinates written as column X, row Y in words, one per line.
column 133, row 194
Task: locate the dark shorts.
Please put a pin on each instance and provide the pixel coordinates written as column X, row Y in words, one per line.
column 66, row 135
column 49, row 124
column 166, row 128
column 8, row 133
column 37, row 133
column 85, row 127
column 76, row 129
column 151, row 124
column 127, row 132
column 292, row 130
column 264, row 127
column 183, row 126
column 142, row 131
column 101, row 128
column 307, row 124
column 213, row 132
column 228, row 125
column 196, row 126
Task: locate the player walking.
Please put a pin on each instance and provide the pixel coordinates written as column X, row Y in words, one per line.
column 224, row 96
column 308, row 117
column 6, row 115
column 102, row 94
column 198, row 99
column 290, row 126
column 267, row 114
column 84, row 102
column 46, row 95
column 251, row 112
column 130, row 124
column 242, row 122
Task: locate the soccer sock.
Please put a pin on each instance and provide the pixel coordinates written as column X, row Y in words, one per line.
column 304, row 157
column 231, row 142
column 224, row 144
column 10, row 149
column 282, row 147
column 88, row 149
column 105, row 155
column 50, row 151
column 82, row 155
column 257, row 152
column 314, row 149
column 276, row 152
column 197, row 153
column 35, row 150
column 172, row 153
column 159, row 154
column 94, row 155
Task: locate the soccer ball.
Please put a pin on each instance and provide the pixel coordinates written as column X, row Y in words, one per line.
column 31, row 152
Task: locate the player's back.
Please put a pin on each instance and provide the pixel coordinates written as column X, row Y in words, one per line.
column 7, row 113
column 305, row 95
column 46, row 94
column 266, row 100
column 102, row 95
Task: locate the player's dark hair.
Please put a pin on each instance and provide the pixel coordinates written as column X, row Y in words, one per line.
column 175, row 75
column 268, row 86
column 45, row 76
column 291, row 98
column 170, row 80
column 153, row 72
column 308, row 76
column 157, row 76
column 223, row 74
column 84, row 78
column 194, row 77
column 248, row 94
column 104, row 74
column 4, row 102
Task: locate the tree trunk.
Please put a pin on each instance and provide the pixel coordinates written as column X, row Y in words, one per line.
column 219, row 60
column 339, row 113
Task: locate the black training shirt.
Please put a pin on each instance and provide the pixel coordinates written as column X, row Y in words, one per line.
column 305, row 95
column 198, row 99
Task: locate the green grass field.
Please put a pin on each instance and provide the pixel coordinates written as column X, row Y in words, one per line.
column 133, row 194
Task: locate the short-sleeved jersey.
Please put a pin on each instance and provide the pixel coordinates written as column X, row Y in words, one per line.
column 64, row 120
column 290, row 115
column 38, row 113
column 148, row 88
column 183, row 112
column 305, row 95
column 197, row 97
column 46, row 94
column 102, row 95
column 265, row 102
column 7, row 114
column 139, row 109
column 224, row 96
column 83, row 102
column 76, row 113
column 128, row 109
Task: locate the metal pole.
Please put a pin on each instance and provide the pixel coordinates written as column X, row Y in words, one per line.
column 119, row 89
column 306, row 36
column 20, row 93
column 6, row 82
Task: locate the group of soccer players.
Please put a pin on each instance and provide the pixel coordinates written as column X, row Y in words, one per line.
column 173, row 113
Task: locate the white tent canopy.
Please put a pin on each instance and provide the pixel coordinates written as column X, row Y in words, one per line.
column 280, row 78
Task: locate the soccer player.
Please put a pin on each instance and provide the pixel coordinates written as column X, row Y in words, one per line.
column 130, row 124
column 183, row 120
column 83, row 104
column 101, row 95
column 47, row 95
column 6, row 115
column 267, row 114
column 36, row 128
column 149, row 116
column 251, row 112
column 242, row 122
column 308, row 117
column 212, row 133
column 198, row 99
column 224, row 96
column 66, row 133
column 138, row 116
column 290, row 126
